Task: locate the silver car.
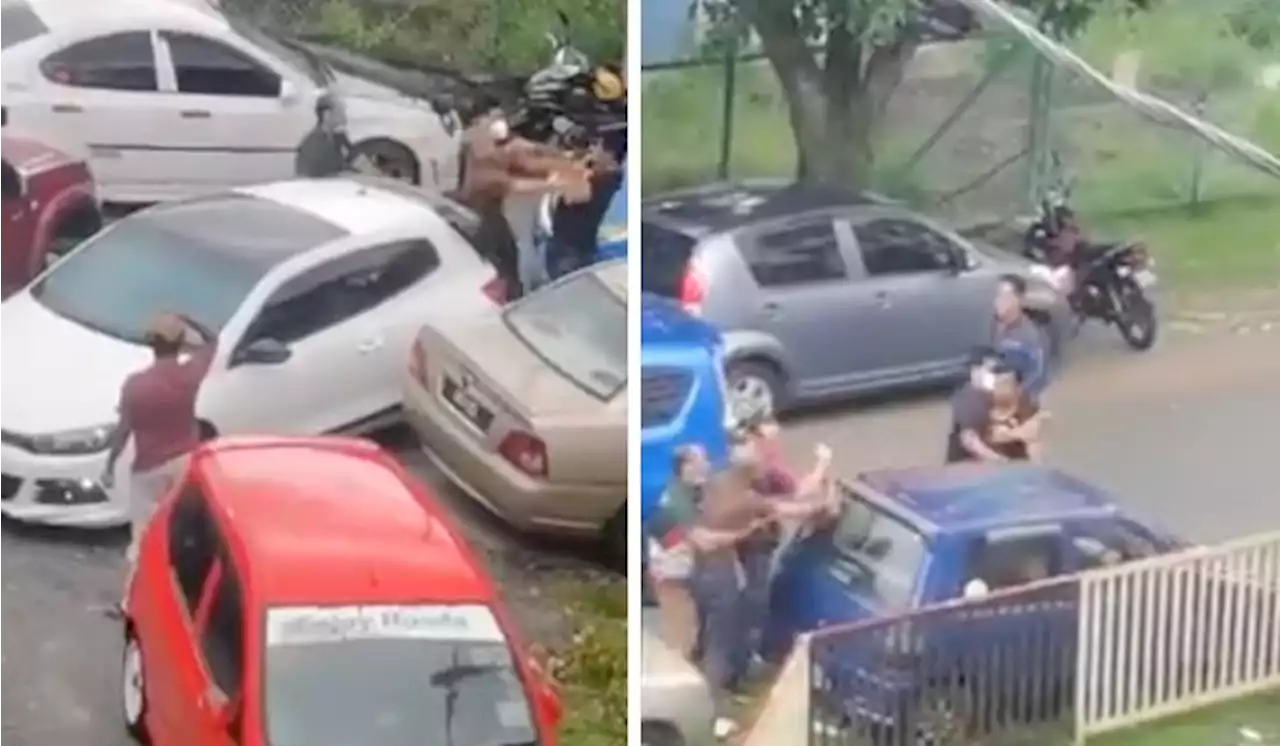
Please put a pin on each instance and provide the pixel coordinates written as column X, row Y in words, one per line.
column 676, row 707
column 823, row 295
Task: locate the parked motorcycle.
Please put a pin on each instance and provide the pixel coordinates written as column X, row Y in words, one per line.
column 1107, row 282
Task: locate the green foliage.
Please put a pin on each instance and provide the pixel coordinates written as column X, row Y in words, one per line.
column 592, row 669
column 498, row 35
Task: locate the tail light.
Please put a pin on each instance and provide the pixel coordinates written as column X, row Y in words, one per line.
column 418, row 362
column 496, row 290
column 693, row 289
column 526, row 452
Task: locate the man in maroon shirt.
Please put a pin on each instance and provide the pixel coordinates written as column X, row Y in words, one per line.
column 157, row 408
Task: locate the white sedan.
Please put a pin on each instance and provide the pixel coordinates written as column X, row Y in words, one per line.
column 316, row 289
column 172, row 98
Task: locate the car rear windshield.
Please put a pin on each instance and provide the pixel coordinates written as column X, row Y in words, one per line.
column 199, row 259
column 392, row 676
column 19, row 23
column 664, row 260
column 877, row 555
column 579, row 327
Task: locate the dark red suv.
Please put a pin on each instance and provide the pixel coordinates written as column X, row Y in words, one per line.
column 50, row 205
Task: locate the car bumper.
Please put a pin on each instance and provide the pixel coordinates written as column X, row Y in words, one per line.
column 485, row 476
column 59, row 490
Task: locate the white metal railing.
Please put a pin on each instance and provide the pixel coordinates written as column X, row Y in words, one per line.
column 1173, row 633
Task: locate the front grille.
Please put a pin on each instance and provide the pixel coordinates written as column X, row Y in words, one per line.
column 9, row 486
column 663, row 393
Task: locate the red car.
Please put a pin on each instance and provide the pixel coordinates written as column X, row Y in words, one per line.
column 307, row 591
column 50, row 205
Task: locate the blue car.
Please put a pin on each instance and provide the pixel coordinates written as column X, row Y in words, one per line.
column 682, row 393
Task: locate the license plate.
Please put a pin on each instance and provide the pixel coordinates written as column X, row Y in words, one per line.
column 466, row 404
column 1145, row 278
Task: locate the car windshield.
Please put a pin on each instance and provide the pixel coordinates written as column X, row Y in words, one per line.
column 19, row 23
column 877, row 555
column 579, row 327
column 392, row 676
column 291, row 52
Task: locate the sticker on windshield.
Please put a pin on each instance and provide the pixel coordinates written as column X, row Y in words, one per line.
column 315, row 624
column 514, row 715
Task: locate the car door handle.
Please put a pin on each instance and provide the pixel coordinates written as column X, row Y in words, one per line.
column 367, row 346
column 195, row 114
column 67, row 109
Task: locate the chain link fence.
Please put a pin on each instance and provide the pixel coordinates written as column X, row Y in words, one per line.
column 970, row 130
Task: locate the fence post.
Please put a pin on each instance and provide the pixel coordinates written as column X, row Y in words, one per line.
column 1198, row 155
column 1038, row 134
column 726, row 122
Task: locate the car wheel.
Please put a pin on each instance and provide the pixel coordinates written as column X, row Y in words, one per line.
column 133, row 689
column 659, row 734
column 754, row 386
column 390, row 159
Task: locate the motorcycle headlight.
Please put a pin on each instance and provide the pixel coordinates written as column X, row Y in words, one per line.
column 80, row 441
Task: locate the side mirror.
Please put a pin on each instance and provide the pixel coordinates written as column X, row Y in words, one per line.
column 14, row 186
column 264, row 351
column 288, row 91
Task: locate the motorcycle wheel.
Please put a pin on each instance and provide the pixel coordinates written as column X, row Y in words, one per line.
column 1136, row 317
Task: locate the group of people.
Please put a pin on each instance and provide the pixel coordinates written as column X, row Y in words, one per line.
column 713, row 546
column 501, row 175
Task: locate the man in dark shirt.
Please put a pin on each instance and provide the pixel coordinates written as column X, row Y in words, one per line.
column 325, row 151
column 1014, row 330
column 157, row 411
column 992, row 418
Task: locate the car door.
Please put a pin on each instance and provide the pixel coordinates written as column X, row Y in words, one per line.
column 221, row 626
column 807, row 300
column 167, row 620
column 346, row 341
column 933, row 309
column 232, row 117
column 101, row 91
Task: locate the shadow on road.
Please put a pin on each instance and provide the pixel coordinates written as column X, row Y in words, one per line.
column 110, row 538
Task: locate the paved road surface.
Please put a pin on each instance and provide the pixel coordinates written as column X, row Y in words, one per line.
column 1186, row 433
column 61, row 653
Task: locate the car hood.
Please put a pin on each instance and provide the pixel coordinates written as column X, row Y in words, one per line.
column 491, row 351
column 57, row 374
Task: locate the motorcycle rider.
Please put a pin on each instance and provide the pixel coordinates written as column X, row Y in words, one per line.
column 325, row 150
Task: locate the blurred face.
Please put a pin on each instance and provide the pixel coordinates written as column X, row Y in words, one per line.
column 1007, row 304
column 1004, row 388
column 696, row 467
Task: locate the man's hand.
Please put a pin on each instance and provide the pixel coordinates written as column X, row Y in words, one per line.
column 823, row 454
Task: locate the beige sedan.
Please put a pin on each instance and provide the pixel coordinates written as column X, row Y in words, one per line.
column 675, row 701
column 525, row 408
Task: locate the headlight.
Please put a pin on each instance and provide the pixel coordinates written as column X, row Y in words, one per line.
column 74, row 442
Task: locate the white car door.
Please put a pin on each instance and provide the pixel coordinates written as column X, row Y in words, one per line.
column 100, row 93
column 234, row 116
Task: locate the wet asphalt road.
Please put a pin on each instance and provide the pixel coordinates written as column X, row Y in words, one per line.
column 61, row 652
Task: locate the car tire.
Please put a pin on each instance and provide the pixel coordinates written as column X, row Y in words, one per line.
column 392, row 160
column 615, row 538
column 133, row 691
column 755, row 386
column 659, row 734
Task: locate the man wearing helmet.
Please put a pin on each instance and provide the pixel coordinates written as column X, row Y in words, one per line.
column 325, row 151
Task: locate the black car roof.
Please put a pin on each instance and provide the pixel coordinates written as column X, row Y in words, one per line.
column 727, row 206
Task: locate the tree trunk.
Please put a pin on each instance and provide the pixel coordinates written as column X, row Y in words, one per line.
column 835, row 108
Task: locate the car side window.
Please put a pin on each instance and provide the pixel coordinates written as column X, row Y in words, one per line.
column 192, row 544
column 118, row 62
column 209, row 67
column 902, row 247
column 337, row 291
column 222, row 640
column 1006, row 562
column 1105, row 545
column 796, row 255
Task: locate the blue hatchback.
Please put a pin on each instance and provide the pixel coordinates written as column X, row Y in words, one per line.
column 682, row 393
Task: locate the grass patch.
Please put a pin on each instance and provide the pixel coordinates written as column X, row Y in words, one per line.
column 1213, row 726
column 592, row 669
column 1223, row 245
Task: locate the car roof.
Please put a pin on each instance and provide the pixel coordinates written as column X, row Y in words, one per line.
column 728, row 206
column 328, row 521
column 663, row 323
column 357, row 206
column 988, row 496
